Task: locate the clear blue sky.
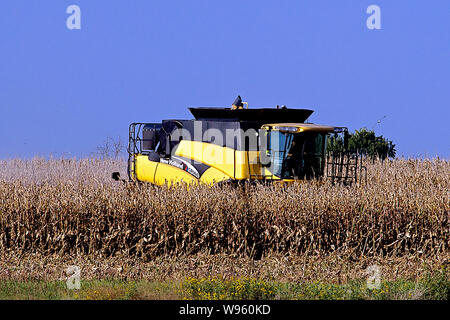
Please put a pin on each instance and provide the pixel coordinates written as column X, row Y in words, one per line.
column 64, row 91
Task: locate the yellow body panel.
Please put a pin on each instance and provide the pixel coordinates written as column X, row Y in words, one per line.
column 166, row 173
column 212, row 175
column 225, row 163
column 269, row 175
column 144, row 169
column 233, row 163
column 160, row 173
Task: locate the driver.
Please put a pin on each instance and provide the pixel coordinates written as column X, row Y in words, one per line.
column 294, row 156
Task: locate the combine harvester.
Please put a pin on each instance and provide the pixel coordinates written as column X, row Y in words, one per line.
column 237, row 144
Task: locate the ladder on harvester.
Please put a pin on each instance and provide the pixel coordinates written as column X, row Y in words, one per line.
column 345, row 167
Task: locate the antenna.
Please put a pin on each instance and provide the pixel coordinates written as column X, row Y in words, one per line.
column 378, row 122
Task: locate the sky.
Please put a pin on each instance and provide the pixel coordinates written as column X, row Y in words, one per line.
column 64, row 91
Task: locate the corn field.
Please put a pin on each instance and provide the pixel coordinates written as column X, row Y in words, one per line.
column 59, row 207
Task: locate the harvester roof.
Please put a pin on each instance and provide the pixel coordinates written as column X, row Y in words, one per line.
column 298, row 127
column 263, row 115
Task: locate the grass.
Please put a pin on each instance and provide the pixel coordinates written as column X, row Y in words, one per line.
column 232, row 289
column 434, row 286
column 90, row 290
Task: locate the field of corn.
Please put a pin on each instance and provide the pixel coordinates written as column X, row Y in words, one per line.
column 58, row 212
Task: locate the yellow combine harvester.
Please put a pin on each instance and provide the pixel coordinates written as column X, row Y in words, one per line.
column 235, row 144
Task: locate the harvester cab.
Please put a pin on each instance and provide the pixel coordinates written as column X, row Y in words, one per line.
column 240, row 144
column 295, row 151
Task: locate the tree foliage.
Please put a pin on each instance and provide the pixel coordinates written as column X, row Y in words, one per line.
column 364, row 142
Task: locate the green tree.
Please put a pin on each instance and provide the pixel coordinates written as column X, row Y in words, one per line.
column 364, row 142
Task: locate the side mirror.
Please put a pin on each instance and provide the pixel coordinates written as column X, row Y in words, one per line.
column 116, row 176
column 346, row 140
column 167, row 148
